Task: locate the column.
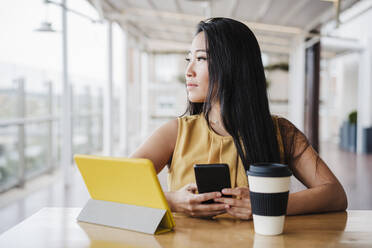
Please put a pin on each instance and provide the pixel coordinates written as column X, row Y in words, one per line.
column 108, row 98
column 296, row 94
column 66, row 125
column 124, row 97
column 144, row 95
column 312, row 94
column 364, row 92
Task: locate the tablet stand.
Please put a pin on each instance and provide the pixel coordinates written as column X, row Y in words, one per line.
column 136, row 218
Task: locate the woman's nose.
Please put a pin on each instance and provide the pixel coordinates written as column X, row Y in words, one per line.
column 190, row 70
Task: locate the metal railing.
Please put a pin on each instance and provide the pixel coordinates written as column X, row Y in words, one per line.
column 20, row 122
column 50, row 119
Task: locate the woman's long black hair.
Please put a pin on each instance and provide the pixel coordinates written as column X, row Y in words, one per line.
column 237, row 81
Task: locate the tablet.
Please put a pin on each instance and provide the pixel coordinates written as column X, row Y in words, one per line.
column 130, row 181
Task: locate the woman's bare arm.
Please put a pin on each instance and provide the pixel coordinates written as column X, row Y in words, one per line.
column 159, row 146
column 324, row 193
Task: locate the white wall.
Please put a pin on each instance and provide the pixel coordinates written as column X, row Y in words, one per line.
column 338, row 94
column 357, row 96
column 278, row 92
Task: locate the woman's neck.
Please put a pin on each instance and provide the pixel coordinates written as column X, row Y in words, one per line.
column 215, row 114
column 215, row 120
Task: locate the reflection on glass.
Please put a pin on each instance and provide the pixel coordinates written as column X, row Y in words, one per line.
column 36, row 149
column 8, row 99
column 36, row 95
column 87, row 120
column 9, row 157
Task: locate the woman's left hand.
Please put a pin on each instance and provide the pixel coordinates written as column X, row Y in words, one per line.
column 239, row 205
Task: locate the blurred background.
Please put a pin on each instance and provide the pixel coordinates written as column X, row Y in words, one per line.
column 99, row 76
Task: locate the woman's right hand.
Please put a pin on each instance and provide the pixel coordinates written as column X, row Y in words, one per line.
column 187, row 201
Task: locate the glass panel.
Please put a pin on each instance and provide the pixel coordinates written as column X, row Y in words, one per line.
column 37, row 58
column 97, row 142
column 8, row 94
column 97, row 119
column 88, row 67
column 87, row 120
column 169, row 68
column 57, row 139
column 36, row 94
column 116, row 120
column 36, row 149
column 118, row 79
column 80, row 122
column 9, row 157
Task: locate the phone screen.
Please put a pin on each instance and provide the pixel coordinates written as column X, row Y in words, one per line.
column 212, row 178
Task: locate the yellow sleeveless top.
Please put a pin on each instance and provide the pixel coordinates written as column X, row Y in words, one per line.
column 198, row 144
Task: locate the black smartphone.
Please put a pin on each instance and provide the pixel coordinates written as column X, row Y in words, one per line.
column 212, row 178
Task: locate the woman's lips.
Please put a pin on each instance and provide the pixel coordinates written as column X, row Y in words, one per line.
column 191, row 85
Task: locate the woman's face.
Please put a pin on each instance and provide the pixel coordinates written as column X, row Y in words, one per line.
column 197, row 77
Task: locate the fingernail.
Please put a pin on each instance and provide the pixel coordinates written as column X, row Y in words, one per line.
column 227, row 206
column 219, row 194
column 224, row 191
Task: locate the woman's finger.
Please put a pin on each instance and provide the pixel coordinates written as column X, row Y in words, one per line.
column 234, row 202
column 241, row 210
column 199, row 198
column 209, row 207
column 191, row 187
column 245, row 215
column 238, row 192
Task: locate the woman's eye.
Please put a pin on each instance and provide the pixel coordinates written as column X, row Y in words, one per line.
column 187, row 59
column 201, row 58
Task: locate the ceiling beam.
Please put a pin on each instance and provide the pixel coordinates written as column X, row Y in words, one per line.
column 178, row 6
column 177, row 29
column 107, row 6
column 262, row 10
column 266, row 39
column 98, row 5
column 152, row 4
column 293, row 10
column 273, row 28
column 275, row 49
column 182, row 28
column 233, row 7
column 194, row 19
column 156, row 45
column 152, row 20
column 328, row 15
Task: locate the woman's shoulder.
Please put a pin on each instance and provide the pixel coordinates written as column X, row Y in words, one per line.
column 284, row 124
column 190, row 118
column 293, row 138
column 172, row 125
column 190, row 121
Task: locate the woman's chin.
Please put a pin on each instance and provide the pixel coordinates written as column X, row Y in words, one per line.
column 193, row 100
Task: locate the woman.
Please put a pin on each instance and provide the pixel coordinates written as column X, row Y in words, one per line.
column 230, row 123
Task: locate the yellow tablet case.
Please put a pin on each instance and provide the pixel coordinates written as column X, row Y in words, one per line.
column 125, row 193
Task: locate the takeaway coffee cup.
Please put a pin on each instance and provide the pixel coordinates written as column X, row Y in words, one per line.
column 269, row 189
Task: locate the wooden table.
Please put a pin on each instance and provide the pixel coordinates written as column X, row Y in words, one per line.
column 57, row 227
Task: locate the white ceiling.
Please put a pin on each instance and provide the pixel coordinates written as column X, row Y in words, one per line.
column 172, row 22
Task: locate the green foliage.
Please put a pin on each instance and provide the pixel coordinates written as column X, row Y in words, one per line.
column 278, row 66
column 268, row 82
column 353, row 116
column 181, row 78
